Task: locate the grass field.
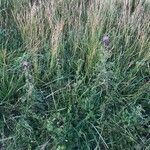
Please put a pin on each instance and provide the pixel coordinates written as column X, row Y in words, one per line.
column 75, row 75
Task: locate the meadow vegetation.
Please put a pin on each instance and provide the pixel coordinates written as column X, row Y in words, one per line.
column 62, row 87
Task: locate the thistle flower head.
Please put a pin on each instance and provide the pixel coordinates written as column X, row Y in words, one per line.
column 106, row 40
column 25, row 65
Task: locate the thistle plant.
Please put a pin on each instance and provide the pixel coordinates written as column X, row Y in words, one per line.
column 29, row 87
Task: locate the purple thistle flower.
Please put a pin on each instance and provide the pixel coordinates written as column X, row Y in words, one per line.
column 106, row 40
column 25, row 65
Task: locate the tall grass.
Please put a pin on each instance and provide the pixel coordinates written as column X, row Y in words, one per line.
column 61, row 88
